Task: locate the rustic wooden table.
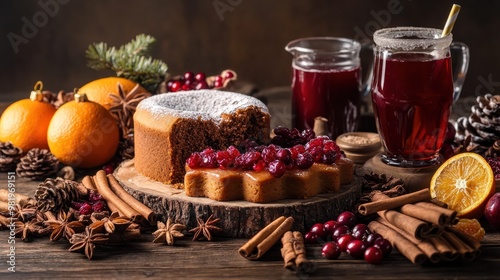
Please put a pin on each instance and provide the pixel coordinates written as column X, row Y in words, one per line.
column 213, row 260
column 140, row 259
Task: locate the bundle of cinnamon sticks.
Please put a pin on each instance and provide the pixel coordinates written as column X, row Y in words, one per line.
column 118, row 199
column 420, row 228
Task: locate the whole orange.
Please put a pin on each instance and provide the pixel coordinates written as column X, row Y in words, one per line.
column 83, row 133
column 99, row 90
column 25, row 122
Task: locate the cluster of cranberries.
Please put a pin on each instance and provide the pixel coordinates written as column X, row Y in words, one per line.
column 345, row 235
column 495, row 165
column 271, row 157
column 191, row 81
column 285, row 137
column 95, row 203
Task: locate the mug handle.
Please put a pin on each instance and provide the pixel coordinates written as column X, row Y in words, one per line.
column 460, row 71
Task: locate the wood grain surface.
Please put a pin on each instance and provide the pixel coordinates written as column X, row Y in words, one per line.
column 42, row 259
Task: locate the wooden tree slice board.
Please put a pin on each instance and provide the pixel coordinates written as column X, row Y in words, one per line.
column 237, row 218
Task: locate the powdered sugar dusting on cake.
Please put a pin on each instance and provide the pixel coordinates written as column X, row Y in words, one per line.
column 205, row 104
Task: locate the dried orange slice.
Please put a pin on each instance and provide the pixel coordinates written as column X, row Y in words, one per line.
column 465, row 182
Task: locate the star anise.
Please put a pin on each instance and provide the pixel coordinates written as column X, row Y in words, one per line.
column 124, row 104
column 167, row 232
column 205, row 229
column 113, row 223
column 30, row 229
column 65, row 225
column 24, row 212
column 87, row 241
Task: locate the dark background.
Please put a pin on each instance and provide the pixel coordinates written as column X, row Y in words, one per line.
column 249, row 36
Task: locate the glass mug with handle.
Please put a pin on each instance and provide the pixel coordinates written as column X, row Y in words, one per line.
column 413, row 89
column 326, row 83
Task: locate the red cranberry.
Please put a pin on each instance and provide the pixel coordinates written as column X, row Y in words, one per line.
column 259, row 166
column 99, row 206
column 356, row 248
column 218, row 84
column 277, row 168
column 360, row 231
column 200, row 77
column 233, row 151
column 373, row 255
column 94, row 196
column 284, row 155
column 308, row 134
column 316, row 142
column 319, row 230
column 329, row 157
column 331, row 251
column 224, row 159
column 77, row 204
column 194, row 161
column 347, row 218
column 310, row 238
column 330, row 226
column 304, row 161
column 185, row 87
column 344, row 240
column 384, row 245
column 176, row 86
column 85, row 209
column 189, row 76
column 109, row 168
column 371, row 238
column 340, row 231
column 201, row 85
column 228, row 74
column 269, row 153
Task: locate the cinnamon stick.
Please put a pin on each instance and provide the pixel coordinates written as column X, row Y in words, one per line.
column 415, row 227
column 294, row 252
column 427, row 247
column 103, row 188
column 447, row 251
column 142, row 209
column 88, row 182
column 20, row 199
column 466, row 252
column 446, row 216
column 469, row 240
column 50, row 216
column 404, row 246
column 382, row 202
column 258, row 245
column 113, row 208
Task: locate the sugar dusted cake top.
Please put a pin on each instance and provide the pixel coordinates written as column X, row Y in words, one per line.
column 206, row 104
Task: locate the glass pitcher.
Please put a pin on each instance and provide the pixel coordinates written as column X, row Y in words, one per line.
column 413, row 89
column 326, row 83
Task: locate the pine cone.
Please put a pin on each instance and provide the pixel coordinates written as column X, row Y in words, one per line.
column 9, row 156
column 55, row 194
column 483, row 124
column 37, row 164
column 494, row 150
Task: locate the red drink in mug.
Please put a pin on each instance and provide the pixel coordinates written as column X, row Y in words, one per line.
column 412, row 93
column 326, row 83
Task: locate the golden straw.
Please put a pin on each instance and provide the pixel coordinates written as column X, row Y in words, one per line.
column 452, row 17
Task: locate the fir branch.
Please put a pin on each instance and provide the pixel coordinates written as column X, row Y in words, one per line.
column 130, row 61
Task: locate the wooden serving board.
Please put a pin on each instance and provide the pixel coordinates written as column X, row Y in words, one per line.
column 237, row 218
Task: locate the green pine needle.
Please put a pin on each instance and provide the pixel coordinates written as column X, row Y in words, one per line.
column 131, row 61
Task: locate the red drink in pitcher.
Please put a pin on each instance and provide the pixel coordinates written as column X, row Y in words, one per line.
column 412, row 95
column 333, row 94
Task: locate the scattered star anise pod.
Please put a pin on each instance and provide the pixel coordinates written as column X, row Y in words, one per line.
column 124, row 104
column 30, row 229
column 65, row 225
column 113, row 223
column 167, row 232
column 205, row 229
column 87, row 241
column 23, row 213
